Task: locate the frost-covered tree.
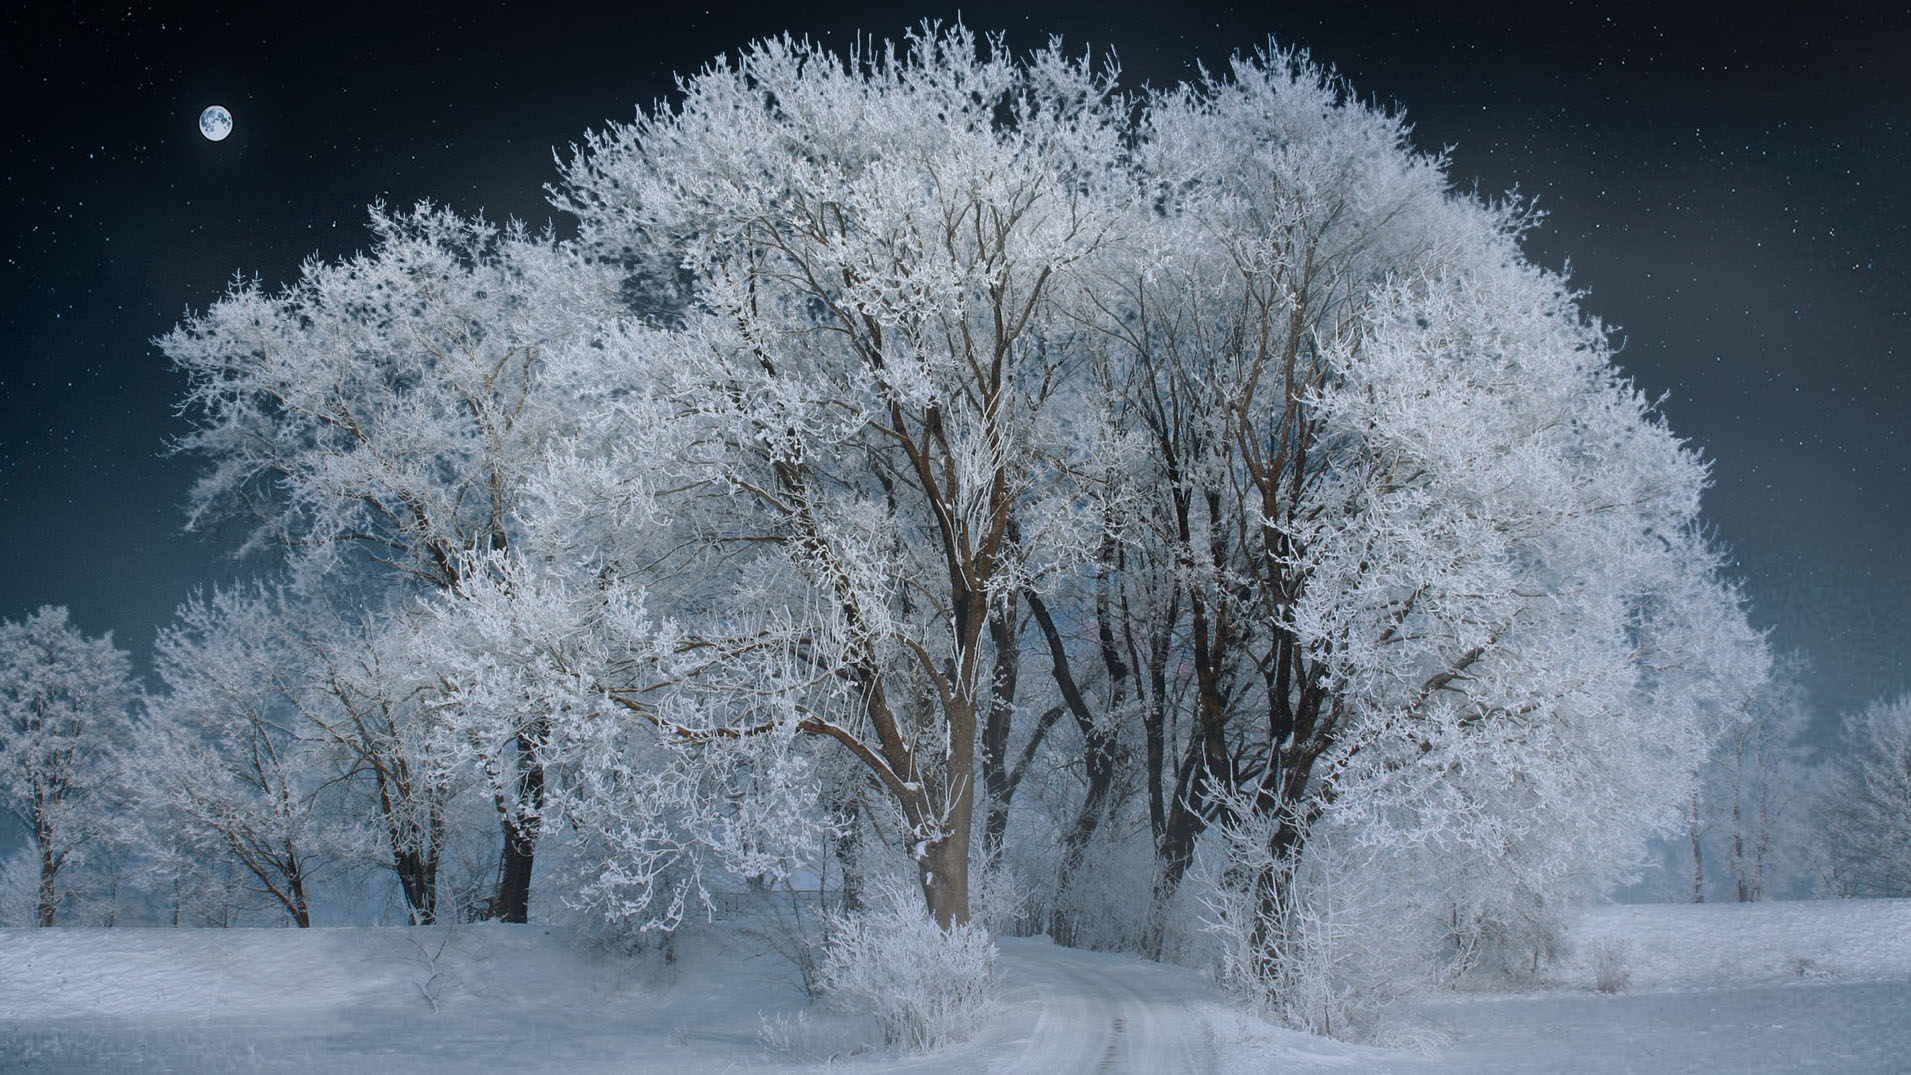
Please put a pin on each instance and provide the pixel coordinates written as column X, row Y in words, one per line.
column 1510, row 652
column 377, row 711
column 293, row 740
column 1273, row 205
column 648, row 810
column 1503, row 585
column 1750, row 824
column 225, row 776
column 878, row 362
column 63, row 713
column 389, row 405
column 1412, row 563
column 1866, row 804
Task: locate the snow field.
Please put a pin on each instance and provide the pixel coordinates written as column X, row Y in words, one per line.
column 1777, row 987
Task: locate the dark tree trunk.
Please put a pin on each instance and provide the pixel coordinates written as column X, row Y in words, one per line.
column 415, row 855
column 1154, row 717
column 512, row 903
column 520, row 822
column 996, row 774
column 295, row 887
column 1174, row 852
column 943, row 863
column 49, row 897
column 418, row 876
column 849, row 852
column 1273, row 928
column 944, row 871
column 1099, row 755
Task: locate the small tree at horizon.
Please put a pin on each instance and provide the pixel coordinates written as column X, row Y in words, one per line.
column 64, row 702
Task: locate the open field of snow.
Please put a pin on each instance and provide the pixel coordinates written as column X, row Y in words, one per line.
column 1714, row 988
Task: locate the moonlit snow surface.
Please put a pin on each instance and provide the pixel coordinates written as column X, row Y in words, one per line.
column 215, row 123
column 1779, row 987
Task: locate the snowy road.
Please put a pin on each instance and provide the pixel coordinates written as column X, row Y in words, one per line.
column 1073, row 1012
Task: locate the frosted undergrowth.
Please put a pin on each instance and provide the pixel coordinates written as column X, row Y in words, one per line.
column 925, row 987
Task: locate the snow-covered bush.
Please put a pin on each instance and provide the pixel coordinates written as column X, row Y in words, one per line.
column 1324, row 942
column 925, row 987
column 998, row 901
column 1610, row 972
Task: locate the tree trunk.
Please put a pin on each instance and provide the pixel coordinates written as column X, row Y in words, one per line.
column 1174, row 851
column 1744, row 879
column 849, row 852
column 295, row 887
column 1698, row 853
column 995, row 729
column 944, row 861
column 512, row 902
column 944, row 870
column 1099, row 745
column 416, row 848
column 520, row 822
column 49, row 898
column 1154, row 718
column 418, row 877
column 1274, row 927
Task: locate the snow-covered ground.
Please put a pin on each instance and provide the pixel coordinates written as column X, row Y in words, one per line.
column 1714, row 988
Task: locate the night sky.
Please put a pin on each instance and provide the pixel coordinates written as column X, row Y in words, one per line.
column 1732, row 195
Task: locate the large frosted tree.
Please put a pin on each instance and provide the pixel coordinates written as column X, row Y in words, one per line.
column 880, row 359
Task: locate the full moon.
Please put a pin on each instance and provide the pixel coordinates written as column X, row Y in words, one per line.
column 215, row 122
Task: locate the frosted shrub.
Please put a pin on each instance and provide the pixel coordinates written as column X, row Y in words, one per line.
column 924, row 987
column 785, row 1033
column 1315, row 960
column 1325, row 942
column 998, row 901
column 1610, row 974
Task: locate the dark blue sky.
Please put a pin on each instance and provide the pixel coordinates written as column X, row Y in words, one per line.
column 1731, row 194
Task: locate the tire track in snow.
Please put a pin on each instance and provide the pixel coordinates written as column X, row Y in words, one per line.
column 1096, row 1013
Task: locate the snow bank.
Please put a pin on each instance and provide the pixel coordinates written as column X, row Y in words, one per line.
column 467, row 998
column 141, row 973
